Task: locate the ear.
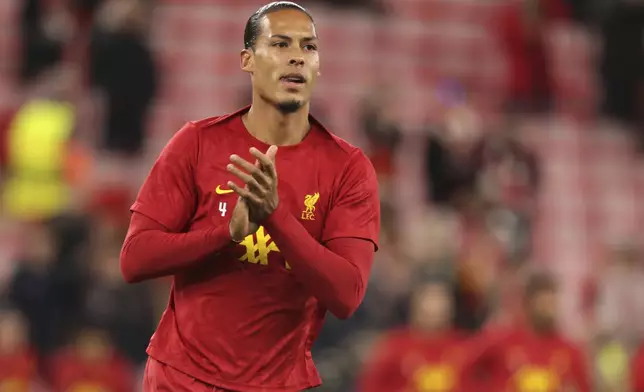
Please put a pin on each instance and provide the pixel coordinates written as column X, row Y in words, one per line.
column 246, row 62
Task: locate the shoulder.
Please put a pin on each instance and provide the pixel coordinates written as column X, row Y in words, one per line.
column 570, row 348
column 395, row 338
column 194, row 132
column 339, row 147
column 214, row 122
column 351, row 160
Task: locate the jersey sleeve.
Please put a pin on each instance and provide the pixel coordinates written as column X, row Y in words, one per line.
column 355, row 209
column 168, row 194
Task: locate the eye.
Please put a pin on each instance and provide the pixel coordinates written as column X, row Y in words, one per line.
column 280, row 44
column 311, row 47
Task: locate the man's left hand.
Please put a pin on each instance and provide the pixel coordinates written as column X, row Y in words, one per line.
column 261, row 182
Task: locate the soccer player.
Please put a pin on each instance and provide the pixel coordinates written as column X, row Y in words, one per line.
column 264, row 219
column 428, row 356
column 537, row 357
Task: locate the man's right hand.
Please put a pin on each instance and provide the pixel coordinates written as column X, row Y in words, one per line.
column 240, row 222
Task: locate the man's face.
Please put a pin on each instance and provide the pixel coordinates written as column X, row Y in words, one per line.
column 433, row 307
column 12, row 332
column 285, row 63
column 543, row 310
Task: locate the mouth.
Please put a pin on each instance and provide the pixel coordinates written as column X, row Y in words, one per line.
column 293, row 79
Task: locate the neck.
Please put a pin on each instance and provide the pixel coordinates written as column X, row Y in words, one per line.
column 432, row 332
column 542, row 330
column 267, row 124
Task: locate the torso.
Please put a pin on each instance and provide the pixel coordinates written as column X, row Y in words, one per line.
column 536, row 364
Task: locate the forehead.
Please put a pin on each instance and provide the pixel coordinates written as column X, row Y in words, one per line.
column 434, row 290
column 289, row 22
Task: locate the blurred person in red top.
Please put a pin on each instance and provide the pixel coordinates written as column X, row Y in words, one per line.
column 91, row 364
column 521, row 34
column 18, row 364
column 255, row 269
column 427, row 356
column 536, row 357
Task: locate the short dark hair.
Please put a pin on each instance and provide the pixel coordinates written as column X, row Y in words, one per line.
column 539, row 283
column 253, row 28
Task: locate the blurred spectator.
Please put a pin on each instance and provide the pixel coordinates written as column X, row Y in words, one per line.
column 522, row 35
column 34, row 288
column 91, row 363
column 427, row 356
column 382, row 134
column 536, row 356
column 622, row 64
column 612, row 366
column 125, row 311
column 18, row 364
column 509, row 183
column 46, row 27
column 449, row 163
column 478, row 264
column 37, row 140
column 620, row 310
column 123, row 69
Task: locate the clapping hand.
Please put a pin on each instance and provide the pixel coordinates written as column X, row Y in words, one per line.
column 241, row 223
column 260, row 193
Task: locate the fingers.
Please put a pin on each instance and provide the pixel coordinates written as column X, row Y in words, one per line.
column 260, row 178
column 245, row 193
column 247, row 179
column 267, row 161
column 271, row 153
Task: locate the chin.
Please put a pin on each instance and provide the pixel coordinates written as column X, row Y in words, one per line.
column 289, row 106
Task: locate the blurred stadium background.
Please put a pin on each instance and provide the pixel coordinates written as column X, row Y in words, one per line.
column 507, row 136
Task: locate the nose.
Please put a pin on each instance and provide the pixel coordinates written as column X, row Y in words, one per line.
column 296, row 61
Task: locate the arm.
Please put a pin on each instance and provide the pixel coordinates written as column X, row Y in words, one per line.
column 337, row 274
column 156, row 244
column 152, row 251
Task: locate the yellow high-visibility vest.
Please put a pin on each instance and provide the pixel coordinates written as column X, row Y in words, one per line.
column 38, row 138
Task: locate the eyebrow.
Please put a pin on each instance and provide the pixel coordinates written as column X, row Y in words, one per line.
column 287, row 38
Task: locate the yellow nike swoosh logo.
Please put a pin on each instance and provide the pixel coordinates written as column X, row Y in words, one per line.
column 223, row 191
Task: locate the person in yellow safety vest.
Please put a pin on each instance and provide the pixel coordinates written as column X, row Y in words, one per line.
column 38, row 141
